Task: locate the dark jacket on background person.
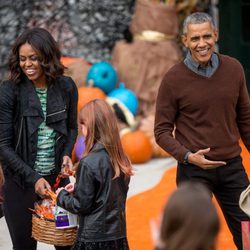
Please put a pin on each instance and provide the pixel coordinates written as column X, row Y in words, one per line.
column 98, row 199
column 19, row 121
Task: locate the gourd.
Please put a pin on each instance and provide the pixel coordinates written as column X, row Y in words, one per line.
column 86, row 94
column 126, row 96
column 103, row 76
column 137, row 146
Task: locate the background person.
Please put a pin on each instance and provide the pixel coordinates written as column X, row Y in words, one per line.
column 205, row 98
column 190, row 220
column 102, row 178
column 38, row 128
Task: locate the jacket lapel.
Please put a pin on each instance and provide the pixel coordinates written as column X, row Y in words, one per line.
column 32, row 110
column 56, row 109
column 31, row 106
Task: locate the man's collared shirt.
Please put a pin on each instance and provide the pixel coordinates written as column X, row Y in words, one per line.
column 207, row 71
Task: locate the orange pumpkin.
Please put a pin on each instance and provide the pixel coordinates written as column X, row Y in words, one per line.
column 68, row 60
column 137, row 146
column 86, row 94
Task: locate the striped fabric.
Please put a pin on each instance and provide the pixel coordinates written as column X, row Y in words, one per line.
column 45, row 159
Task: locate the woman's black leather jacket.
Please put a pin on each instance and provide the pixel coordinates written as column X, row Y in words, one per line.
column 98, row 199
column 20, row 116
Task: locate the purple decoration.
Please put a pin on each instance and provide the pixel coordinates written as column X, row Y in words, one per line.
column 80, row 147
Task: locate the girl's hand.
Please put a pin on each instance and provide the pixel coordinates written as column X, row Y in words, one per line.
column 70, row 187
column 67, row 167
column 59, row 190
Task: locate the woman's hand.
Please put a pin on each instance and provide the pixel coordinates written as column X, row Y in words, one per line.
column 67, row 167
column 41, row 186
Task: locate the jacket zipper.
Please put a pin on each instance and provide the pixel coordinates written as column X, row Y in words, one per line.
column 19, row 136
column 58, row 139
column 56, row 158
column 58, row 112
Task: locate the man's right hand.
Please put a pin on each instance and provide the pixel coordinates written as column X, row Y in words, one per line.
column 198, row 159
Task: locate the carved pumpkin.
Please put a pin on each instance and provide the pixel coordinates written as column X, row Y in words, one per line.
column 86, row 94
column 137, row 146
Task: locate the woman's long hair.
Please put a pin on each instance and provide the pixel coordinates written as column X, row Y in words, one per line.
column 190, row 220
column 101, row 125
column 46, row 48
column 1, row 177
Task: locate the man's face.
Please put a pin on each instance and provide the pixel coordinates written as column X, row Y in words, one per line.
column 200, row 39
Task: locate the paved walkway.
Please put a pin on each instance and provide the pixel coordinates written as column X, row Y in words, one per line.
column 146, row 176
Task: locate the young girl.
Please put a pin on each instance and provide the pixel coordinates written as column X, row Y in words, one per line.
column 102, row 178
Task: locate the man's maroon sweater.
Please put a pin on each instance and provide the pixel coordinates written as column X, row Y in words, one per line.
column 209, row 112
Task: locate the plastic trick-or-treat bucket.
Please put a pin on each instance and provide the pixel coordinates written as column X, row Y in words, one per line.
column 65, row 219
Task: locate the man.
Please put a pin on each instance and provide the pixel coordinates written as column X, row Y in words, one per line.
column 205, row 99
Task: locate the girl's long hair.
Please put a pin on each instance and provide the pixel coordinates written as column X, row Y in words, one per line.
column 190, row 220
column 101, row 125
column 47, row 49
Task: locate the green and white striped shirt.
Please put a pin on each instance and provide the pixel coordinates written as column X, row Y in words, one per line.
column 45, row 158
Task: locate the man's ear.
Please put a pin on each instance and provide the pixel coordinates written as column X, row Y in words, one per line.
column 216, row 34
column 184, row 40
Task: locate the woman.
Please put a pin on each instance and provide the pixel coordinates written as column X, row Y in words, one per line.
column 38, row 128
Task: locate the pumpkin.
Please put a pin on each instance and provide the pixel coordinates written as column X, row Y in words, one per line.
column 68, row 60
column 79, row 147
column 102, row 75
column 86, row 94
column 137, row 146
column 126, row 96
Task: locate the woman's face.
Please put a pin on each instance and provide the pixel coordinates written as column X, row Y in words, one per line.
column 30, row 65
